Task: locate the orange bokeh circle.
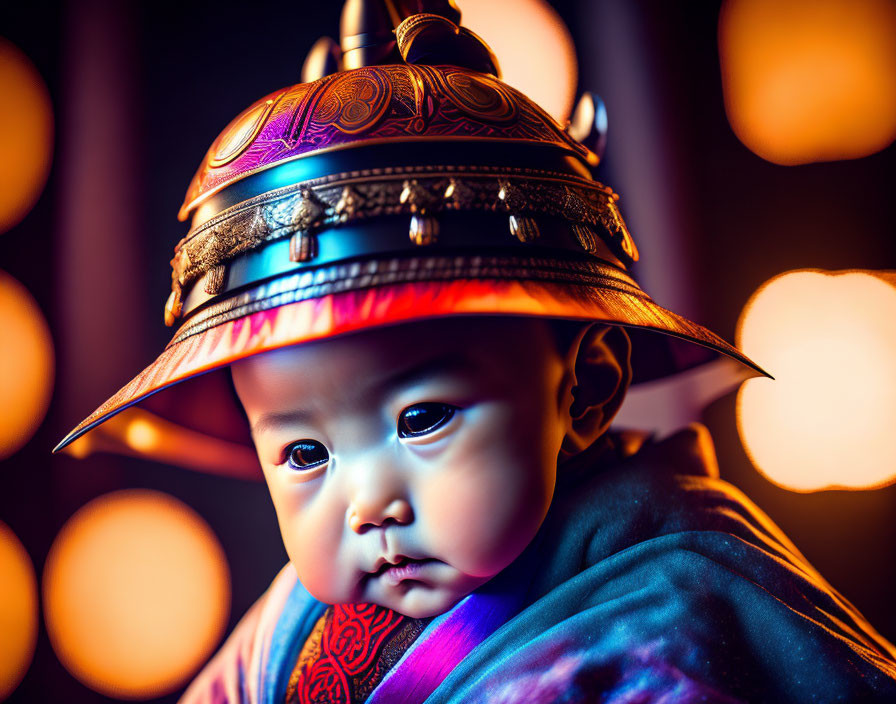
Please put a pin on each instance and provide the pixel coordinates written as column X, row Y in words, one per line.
column 18, row 611
column 26, row 135
column 136, row 594
column 26, row 365
column 810, row 80
column 827, row 419
column 533, row 46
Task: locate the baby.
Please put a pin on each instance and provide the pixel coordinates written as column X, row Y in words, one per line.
column 412, row 464
column 422, row 297
column 463, row 467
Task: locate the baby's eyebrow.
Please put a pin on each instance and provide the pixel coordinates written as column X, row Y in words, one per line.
column 277, row 420
column 445, row 364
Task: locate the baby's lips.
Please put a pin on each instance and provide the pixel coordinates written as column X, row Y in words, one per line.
column 384, row 561
column 394, row 575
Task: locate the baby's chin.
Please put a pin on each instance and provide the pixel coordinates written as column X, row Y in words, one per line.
column 420, row 601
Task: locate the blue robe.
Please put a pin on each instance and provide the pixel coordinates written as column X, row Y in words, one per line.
column 655, row 581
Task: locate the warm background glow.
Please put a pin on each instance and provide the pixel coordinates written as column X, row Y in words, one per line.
column 829, row 418
column 26, row 364
column 26, row 135
column 136, row 594
column 18, row 611
column 533, row 47
column 138, row 432
column 810, row 80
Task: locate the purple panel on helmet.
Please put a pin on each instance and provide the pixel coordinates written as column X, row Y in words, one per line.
column 374, row 103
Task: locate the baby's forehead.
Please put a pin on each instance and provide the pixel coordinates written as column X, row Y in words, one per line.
column 454, row 338
column 400, row 355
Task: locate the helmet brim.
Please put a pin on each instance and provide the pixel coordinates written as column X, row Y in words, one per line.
column 222, row 344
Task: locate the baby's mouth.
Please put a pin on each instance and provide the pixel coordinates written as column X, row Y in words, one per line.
column 406, row 568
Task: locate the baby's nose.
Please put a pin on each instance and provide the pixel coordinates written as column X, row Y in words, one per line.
column 378, row 495
column 364, row 516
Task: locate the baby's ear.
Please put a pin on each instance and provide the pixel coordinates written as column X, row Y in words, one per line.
column 600, row 359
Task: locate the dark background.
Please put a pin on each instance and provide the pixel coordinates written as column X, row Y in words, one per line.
column 183, row 72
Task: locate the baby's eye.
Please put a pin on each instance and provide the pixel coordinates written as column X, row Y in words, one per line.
column 423, row 418
column 306, row 454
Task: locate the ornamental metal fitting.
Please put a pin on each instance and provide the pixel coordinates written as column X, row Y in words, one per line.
column 302, row 246
column 349, row 204
column 299, row 212
column 424, row 229
column 511, row 196
column 458, row 195
column 523, row 228
column 173, row 307
column 214, row 279
column 416, row 197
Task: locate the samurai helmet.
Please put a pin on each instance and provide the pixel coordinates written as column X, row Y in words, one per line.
column 401, row 180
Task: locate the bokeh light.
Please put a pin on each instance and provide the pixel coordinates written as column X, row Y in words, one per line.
column 810, row 80
column 18, row 611
column 26, row 135
column 139, row 433
column 26, row 365
column 828, row 420
column 136, row 594
column 533, row 46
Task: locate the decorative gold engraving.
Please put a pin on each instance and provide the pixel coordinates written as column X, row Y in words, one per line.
column 396, row 104
column 239, row 134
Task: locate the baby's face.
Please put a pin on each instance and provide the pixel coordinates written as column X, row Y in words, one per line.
column 409, row 465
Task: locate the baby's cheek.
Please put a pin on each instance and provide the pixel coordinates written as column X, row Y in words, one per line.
column 456, row 515
column 482, row 513
column 314, row 545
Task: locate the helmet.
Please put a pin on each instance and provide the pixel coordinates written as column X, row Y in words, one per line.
column 403, row 181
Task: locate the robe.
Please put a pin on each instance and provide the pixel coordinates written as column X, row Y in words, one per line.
column 650, row 580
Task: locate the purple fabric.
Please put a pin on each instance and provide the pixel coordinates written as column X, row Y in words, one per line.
column 578, row 676
column 442, row 646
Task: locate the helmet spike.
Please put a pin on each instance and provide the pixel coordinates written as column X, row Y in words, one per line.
column 589, row 123
column 324, row 58
column 367, row 33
